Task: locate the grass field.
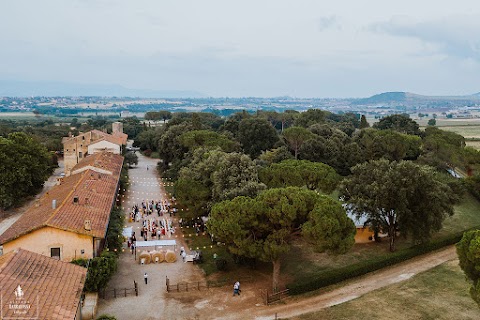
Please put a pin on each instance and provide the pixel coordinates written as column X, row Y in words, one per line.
column 470, row 131
column 473, row 144
column 440, row 293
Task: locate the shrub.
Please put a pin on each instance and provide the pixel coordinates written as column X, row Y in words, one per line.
column 115, row 230
column 106, row 317
column 337, row 275
column 100, row 270
column 147, row 153
column 221, row 264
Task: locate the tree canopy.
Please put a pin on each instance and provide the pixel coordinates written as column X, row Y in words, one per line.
column 256, row 135
column 468, row 251
column 300, row 173
column 398, row 122
column 399, row 196
column 263, row 227
column 24, row 166
column 213, row 176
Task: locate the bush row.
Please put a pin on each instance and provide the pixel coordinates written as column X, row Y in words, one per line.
column 337, row 275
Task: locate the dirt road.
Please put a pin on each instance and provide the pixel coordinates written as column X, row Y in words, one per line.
column 360, row 286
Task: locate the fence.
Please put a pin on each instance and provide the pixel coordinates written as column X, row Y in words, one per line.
column 186, row 286
column 275, row 297
column 117, row 293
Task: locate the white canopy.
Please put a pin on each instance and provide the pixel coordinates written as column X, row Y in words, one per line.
column 127, row 232
column 155, row 243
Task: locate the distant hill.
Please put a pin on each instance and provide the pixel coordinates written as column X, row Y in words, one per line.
column 407, row 98
column 54, row 89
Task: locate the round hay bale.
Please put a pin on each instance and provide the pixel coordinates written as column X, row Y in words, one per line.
column 170, row 256
column 158, row 256
column 145, row 257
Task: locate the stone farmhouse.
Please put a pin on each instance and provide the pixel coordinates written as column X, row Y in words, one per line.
column 91, row 142
column 70, row 221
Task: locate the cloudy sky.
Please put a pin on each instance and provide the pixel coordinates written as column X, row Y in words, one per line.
column 301, row 48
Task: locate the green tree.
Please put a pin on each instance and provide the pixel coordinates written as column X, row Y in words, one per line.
column 468, row 251
column 256, row 135
column 333, row 147
column 310, row 117
column 388, row 144
column 131, row 159
column 263, row 227
column 170, row 148
column 363, row 122
column 432, row 122
column 206, row 138
column 442, row 149
column 213, row 176
column 300, row 173
column 275, row 155
column 295, row 137
column 400, row 196
column 398, row 122
column 100, row 270
column 24, row 166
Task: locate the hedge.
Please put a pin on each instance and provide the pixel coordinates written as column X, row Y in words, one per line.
column 358, row 269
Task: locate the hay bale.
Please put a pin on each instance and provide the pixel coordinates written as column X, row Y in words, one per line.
column 145, row 257
column 158, row 256
column 170, row 256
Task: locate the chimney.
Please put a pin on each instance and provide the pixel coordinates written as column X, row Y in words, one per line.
column 86, row 200
column 75, row 199
column 54, row 204
column 88, row 225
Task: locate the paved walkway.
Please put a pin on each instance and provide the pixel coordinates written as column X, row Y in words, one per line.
column 153, row 301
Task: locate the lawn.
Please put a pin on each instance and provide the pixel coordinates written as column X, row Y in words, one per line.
column 440, row 293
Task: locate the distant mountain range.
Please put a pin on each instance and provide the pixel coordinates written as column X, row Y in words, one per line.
column 407, row 98
column 54, row 89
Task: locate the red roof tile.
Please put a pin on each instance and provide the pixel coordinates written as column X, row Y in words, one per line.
column 95, row 194
column 51, row 287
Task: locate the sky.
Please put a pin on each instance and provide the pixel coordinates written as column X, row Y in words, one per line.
column 263, row 48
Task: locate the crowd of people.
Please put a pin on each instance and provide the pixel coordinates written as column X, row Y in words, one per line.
column 153, row 226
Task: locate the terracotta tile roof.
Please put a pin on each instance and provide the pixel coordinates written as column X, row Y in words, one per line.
column 96, row 135
column 102, row 160
column 122, row 136
column 57, row 285
column 95, row 193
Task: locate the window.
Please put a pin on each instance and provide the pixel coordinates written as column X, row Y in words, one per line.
column 80, row 154
column 55, row 253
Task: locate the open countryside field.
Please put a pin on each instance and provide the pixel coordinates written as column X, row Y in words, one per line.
column 440, row 293
column 468, row 131
column 474, row 144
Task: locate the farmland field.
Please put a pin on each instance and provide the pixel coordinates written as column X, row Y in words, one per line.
column 474, row 144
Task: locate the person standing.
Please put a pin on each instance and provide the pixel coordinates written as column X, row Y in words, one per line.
column 145, row 276
column 236, row 288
